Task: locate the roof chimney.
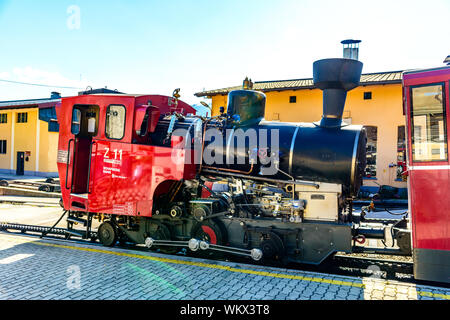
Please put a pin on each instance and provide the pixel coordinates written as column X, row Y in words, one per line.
column 55, row 95
column 447, row 60
column 351, row 48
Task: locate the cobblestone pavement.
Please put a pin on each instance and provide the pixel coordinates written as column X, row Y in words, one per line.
column 59, row 270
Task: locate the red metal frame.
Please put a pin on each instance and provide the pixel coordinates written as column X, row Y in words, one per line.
column 124, row 177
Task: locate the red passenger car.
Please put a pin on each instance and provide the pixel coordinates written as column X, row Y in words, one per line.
column 426, row 96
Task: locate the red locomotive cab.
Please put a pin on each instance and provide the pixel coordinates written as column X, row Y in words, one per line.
column 106, row 161
column 427, row 117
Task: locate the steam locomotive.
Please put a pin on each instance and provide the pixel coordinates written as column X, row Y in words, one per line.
column 152, row 172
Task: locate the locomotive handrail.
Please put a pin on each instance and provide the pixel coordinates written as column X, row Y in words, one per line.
column 74, row 162
column 68, row 163
column 89, row 168
column 296, row 182
column 231, row 170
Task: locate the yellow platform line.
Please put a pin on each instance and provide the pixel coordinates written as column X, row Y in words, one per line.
column 433, row 295
column 208, row 265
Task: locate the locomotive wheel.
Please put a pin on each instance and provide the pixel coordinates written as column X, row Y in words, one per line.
column 208, row 231
column 211, row 232
column 163, row 233
column 107, row 234
column 123, row 238
column 272, row 247
column 45, row 188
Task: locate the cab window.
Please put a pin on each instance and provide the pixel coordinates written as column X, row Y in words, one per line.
column 76, row 121
column 115, row 122
column 429, row 124
column 85, row 120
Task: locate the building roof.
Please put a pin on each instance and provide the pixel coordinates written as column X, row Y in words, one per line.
column 49, row 102
column 298, row 84
column 28, row 103
column 447, row 60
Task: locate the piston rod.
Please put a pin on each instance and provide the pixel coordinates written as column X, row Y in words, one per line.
column 195, row 245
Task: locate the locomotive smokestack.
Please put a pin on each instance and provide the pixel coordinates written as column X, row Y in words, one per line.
column 335, row 77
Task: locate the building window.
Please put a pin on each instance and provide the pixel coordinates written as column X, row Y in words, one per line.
column 429, row 127
column 371, row 151
column 53, row 126
column 115, row 122
column 293, row 99
column 368, row 95
column 3, row 147
column 401, row 153
column 3, row 118
column 22, row 117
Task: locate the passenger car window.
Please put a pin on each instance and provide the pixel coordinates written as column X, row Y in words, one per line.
column 115, row 122
column 429, row 124
column 401, row 153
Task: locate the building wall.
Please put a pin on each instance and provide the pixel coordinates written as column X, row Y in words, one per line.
column 384, row 111
column 25, row 138
column 48, row 149
column 33, row 137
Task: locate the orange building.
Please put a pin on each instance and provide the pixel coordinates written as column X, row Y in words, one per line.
column 29, row 137
column 376, row 104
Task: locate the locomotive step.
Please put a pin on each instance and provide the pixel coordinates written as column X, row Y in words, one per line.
column 78, row 221
column 78, row 233
column 82, row 196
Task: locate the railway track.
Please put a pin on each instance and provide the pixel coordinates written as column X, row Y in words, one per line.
column 399, row 269
column 49, row 185
column 389, row 268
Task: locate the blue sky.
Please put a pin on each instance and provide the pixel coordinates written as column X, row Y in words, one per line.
column 156, row 46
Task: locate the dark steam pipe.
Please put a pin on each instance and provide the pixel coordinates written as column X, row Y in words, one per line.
column 335, row 77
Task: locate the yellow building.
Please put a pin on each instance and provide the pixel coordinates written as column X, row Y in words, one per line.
column 376, row 104
column 29, row 137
